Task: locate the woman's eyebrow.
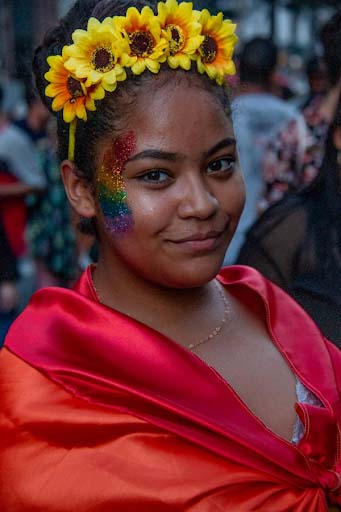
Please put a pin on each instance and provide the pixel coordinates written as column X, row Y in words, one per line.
column 158, row 154
column 228, row 141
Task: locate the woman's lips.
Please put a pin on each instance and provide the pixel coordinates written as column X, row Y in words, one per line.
column 200, row 242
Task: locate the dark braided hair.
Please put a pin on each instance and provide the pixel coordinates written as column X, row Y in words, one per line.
column 117, row 107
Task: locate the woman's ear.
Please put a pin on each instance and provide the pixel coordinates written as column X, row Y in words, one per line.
column 78, row 190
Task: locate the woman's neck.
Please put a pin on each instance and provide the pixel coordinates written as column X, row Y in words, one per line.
column 172, row 311
column 120, row 288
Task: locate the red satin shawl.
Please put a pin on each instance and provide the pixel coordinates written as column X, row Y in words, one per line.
column 114, row 365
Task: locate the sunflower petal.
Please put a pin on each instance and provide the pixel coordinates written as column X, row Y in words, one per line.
column 148, row 16
column 59, row 102
column 121, row 75
column 152, row 65
column 69, row 112
column 193, row 44
column 94, row 25
column 139, row 67
column 132, row 16
column 109, row 78
column 79, row 109
column 200, row 66
column 181, row 60
column 98, row 93
column 90, row 104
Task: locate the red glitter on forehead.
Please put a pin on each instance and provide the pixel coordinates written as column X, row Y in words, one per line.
column 116, row 156
column 124, row 145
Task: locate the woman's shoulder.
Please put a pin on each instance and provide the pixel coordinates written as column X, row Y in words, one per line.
column 290, row 326
column 33, row 403
column 285, row 317
column 51, row 305
column 251, row 283
column 243, row 276
column 21, row 384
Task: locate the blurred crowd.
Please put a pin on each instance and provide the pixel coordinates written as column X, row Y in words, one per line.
column 289, row 148
column 39, row 241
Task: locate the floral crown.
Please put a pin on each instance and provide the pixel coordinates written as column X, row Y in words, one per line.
column 99, row 56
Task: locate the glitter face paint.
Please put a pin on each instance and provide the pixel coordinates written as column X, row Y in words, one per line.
column 111, row 188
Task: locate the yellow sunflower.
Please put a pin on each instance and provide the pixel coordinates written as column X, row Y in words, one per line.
column 95, row 54
column 216, row 51
column 182, row 29
column 69, row 93
column 145, row 45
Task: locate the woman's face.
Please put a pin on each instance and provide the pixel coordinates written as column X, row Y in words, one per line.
column 184, row 192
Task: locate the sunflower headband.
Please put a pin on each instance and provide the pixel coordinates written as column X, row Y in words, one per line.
column 98, row 58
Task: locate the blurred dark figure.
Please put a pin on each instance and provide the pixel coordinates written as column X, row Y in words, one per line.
column 317, row 77
column 20, row 176
column 34, row 124
column 8, row 290
column 281, row 82
column 257, row 116
column 294, row 156
column 297, row 242
column 17, row 150
column 281, row 87
column 49, row 232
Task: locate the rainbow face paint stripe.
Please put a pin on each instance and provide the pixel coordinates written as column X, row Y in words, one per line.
column 111, row 188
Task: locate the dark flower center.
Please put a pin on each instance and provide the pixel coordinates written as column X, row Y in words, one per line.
column 177, row 41
column 208, row 49
column 75, row 89
column 141, row 43
column 102, row 59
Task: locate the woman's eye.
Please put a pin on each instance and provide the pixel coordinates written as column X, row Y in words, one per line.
column 156, row 176
column 221, row 165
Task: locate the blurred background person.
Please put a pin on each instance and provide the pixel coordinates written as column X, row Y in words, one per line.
column 8, row 291
column 282, row 84
column 50, row 232
column 17, row 150
column 297, row 242
column 21, row 176
column 284, row 168
column 317, row 78
column 257, row 115
column 51, row 228
column 35, row 121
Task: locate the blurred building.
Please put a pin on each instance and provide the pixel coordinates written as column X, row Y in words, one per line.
column 293, row 24
column 22, row 26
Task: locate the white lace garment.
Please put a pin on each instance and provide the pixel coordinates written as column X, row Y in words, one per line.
column 304, row 396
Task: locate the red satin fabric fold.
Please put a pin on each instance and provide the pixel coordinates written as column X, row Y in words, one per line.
column 166, row 409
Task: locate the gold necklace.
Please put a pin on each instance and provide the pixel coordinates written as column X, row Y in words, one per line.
column 217, row 329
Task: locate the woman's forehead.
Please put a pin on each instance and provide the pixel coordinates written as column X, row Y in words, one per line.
column 178, row 116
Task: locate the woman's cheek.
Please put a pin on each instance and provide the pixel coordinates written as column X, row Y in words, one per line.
column 112, row 194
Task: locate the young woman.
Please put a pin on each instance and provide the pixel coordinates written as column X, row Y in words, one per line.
column 158, row 383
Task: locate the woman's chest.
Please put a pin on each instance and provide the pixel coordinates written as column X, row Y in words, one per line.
column 260, row 376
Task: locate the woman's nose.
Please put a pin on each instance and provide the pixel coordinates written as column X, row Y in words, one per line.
column 196, row 199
